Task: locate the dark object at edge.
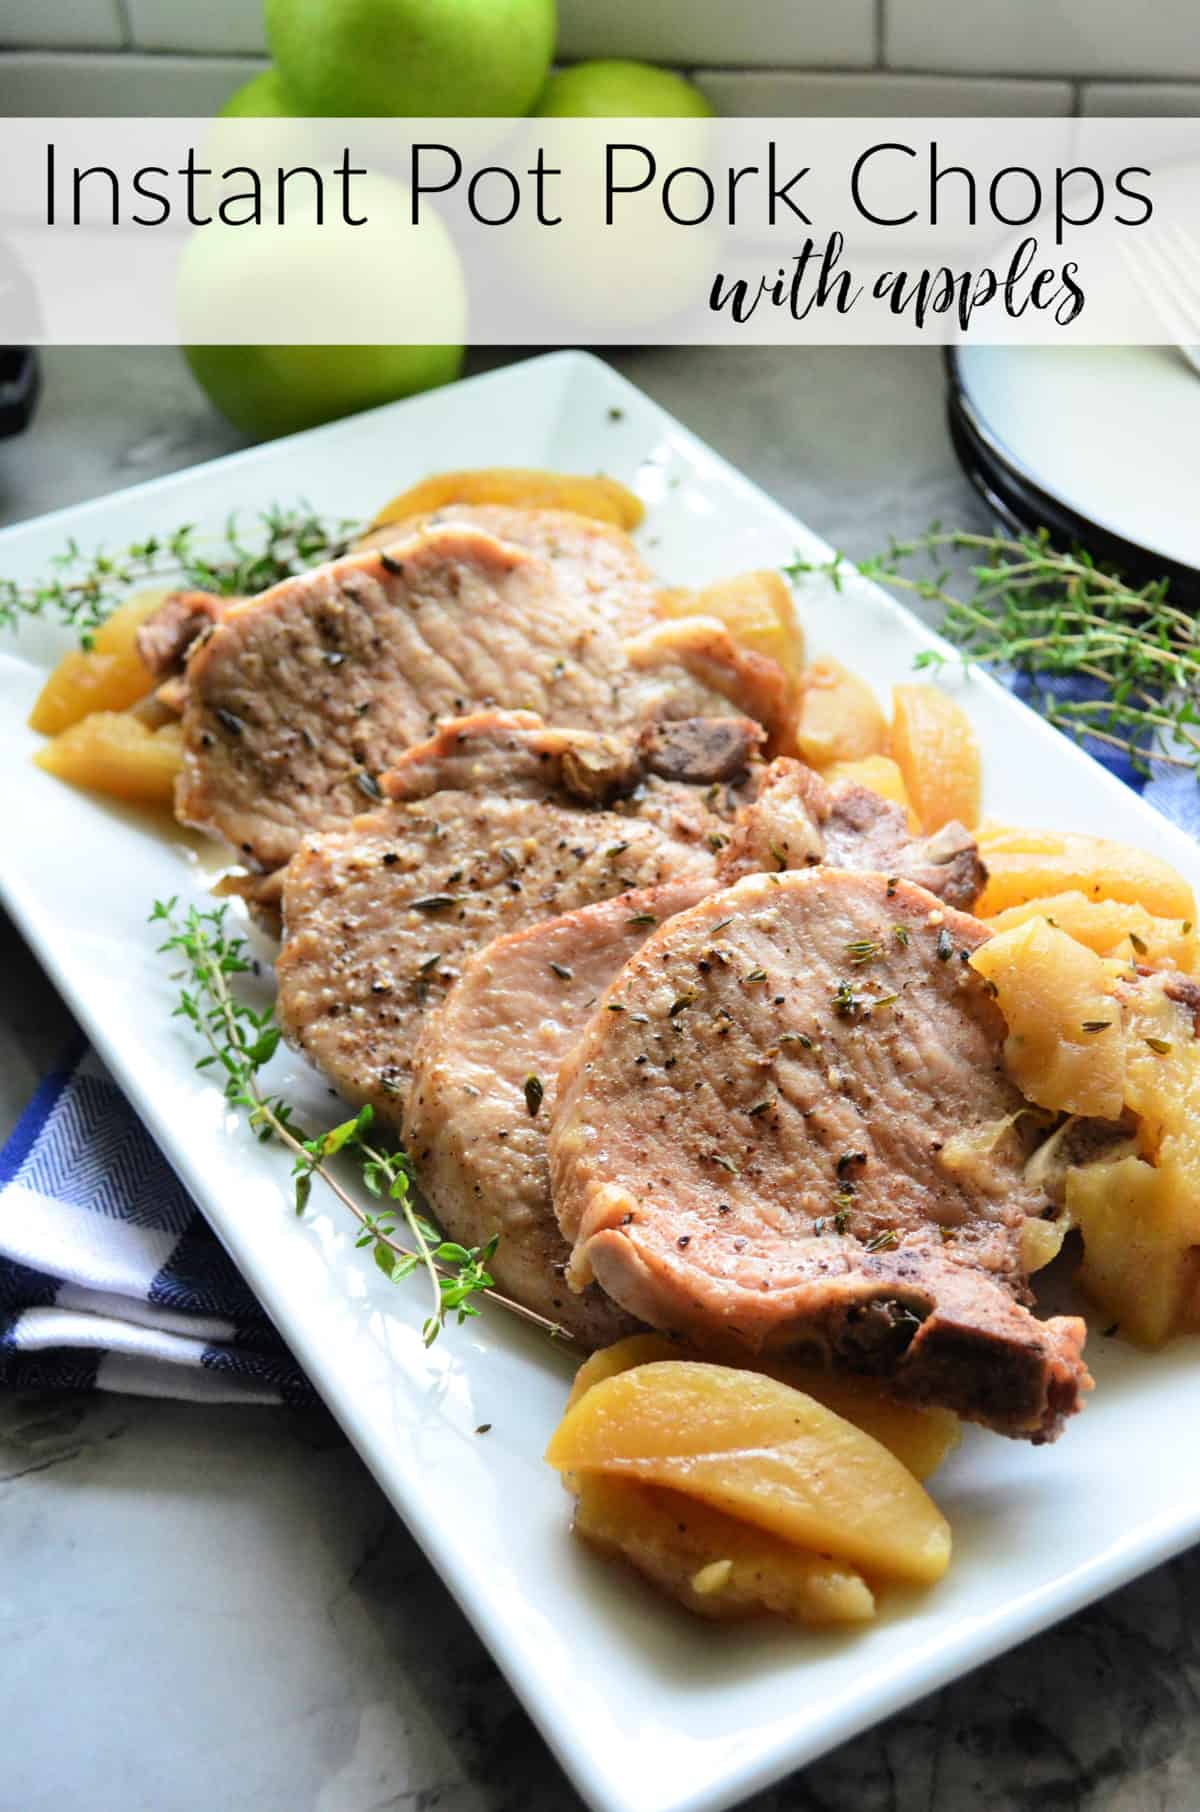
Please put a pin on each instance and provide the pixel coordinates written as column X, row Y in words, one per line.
column 20, row 382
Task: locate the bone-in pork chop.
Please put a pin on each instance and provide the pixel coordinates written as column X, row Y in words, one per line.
column 484, row 1086
column 796, row 820
column 778, row 1131
column 380, row 916
column 299, row 699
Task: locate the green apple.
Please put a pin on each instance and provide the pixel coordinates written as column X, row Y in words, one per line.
column 397, row 288
column 263, row 97
column 262, row 125
column 416, row 58
column 613, row 89
column 631, row 275
column 270, row 390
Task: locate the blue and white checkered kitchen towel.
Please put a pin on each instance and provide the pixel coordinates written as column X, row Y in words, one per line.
column 111, row 1279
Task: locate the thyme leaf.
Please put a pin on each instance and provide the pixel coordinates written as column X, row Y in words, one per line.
column 1047, row 612
column 238, row 1041
column 84, row 586
column 846, row 1003
column 862, row 950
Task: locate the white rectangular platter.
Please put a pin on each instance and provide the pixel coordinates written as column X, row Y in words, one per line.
column 648, row 1711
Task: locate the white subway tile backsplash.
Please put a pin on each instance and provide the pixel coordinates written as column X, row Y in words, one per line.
column 220, row 27
column 790, row 58
column 86, row 24
column 83, row 86
column 1044, row 37
column 811, row 33
column 671, row 31
column 1136, row 100
column 787, row 94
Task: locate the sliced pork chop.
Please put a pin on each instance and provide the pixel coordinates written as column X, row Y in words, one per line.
column 594, row 562
column 484, row 1085
column 519, row 752
column 865, row 831
column 681, row 662
column 767, row 1137
column 304, row 696
column 796, row 820
column 380, row 916
column 702, row 750
column 299, row 699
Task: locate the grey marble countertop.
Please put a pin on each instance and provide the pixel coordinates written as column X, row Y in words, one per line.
column 215, row 1610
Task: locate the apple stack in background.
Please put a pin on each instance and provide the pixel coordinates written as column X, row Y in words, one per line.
column 398, row 58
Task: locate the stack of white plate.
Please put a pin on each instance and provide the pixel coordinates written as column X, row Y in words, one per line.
column 1099, row 445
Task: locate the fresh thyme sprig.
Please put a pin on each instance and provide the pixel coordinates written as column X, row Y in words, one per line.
column 84, row 587
column 240, row 1041
column 1045, row 612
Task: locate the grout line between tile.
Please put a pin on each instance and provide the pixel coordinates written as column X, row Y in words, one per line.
column 132, row 49
column 1060, row 76
column 868, row 72
column 1077, row 84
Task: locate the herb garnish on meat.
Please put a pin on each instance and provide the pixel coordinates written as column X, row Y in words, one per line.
column 862, row 950
column 240, row 1041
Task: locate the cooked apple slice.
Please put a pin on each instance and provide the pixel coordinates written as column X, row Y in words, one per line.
column 838, row 717
column 763, row 1453
column 919, row 1438
column 1027, row 865
column 1065, row 1047
column 113, row 752
column 937, row 753
column 1110, row 928
column 604, row 499
column 108, row 676
column 713, row 1564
